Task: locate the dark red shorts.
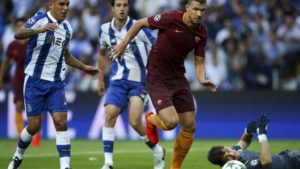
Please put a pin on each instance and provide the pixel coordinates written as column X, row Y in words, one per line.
column 170, row 92
column 18, row 92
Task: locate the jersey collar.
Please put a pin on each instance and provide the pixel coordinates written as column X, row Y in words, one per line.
column 52, row 18
column 113, row 20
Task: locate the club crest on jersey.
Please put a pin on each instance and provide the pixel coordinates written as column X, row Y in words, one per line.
column 133, row 48
column 31, row 20
column 157, row 18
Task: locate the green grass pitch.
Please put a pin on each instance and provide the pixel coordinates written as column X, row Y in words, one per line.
column 87, row 154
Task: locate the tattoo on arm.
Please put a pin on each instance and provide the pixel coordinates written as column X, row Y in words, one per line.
column 25, row 33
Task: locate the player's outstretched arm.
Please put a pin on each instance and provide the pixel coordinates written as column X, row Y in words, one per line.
column 265, row 152
column 247, row 136
column 200, row 74
column 101, row 66
column 118, row 50
column 24, row 33
column 72, row 61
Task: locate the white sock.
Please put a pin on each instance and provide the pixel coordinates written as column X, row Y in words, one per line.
column 64, row 148
column 24, row 142
column 108, row 138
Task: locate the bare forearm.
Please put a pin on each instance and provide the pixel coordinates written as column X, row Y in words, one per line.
column 265, row 154
column 200, row 69
column 25, row 33
column 135, row 29
column 72, row 61
column 101, row 64
column 245, row 141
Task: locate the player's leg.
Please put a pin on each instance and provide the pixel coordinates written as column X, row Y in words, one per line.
column 34, row 107
column 63, row 143
column 108, row 134
column 19, row 117
column 136, row 108
column 115, row 101
column 57, row 106
column 184, row 104
column 184, row 139
column 161, row 94
column 19, row 103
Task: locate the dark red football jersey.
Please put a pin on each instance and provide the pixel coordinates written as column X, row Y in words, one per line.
column 17, row 52
column 175, row 40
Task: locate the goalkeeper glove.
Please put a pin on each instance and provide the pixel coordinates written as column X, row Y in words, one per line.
column 262, row 124
column 251, row 127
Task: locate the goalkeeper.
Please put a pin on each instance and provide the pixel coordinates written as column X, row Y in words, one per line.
column 219, row 155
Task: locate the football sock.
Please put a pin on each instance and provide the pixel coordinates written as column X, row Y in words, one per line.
column 19, row 122
column 108, row 138
column 63, row 146
column 24, row 142
column 181, row 148
column 156, row 120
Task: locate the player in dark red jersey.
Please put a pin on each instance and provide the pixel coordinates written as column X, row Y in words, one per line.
column 179, row 33
column 16, row 51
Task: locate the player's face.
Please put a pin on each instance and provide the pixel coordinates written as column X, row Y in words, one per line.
column 59, row 9
column 230, row 154
column 196, row 11
column 121, row 9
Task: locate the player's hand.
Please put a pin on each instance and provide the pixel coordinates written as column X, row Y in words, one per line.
column 251, row 127
column 116, row 51
column 262, row 124
column 101, row 87
column 92, row 71
column 209, row 84
column 48, row 27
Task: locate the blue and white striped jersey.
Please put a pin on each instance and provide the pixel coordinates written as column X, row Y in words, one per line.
column 132, row 66
column 45, row 53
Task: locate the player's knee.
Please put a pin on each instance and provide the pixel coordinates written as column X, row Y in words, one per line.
column 110, row 118
column 171, row 124
column 61, row 125
column 134, row 123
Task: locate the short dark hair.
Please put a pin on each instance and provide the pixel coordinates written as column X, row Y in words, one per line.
column 112, row 2
column 215, row 155
column 200, row 1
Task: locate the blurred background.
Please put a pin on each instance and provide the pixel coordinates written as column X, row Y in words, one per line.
column 253, row 55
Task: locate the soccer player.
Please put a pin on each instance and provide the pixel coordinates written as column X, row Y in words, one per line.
column 45, row 66
column 17, row 51
column 219, row 155
column 180, row 32
column 127, row 81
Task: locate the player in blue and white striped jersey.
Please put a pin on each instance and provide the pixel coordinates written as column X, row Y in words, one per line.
column 47, row 55
column 127, row 80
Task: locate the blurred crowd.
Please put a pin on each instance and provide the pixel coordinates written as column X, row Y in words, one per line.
column 252, row 45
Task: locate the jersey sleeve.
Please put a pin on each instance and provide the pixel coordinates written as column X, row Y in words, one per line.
column 102, row 42
column 160, row 21
column 201, row 43
column 33, row 22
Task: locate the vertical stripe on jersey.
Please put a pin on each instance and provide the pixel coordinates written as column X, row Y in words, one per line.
column 113, row 42
column 43, row 53
column 137, row 55
column 59, row 64
column 121, row 61
column 31, row 46
column 150, row 37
